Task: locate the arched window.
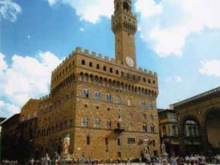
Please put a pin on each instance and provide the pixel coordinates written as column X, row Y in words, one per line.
column 174, row 130
column 108, row 124
column 97, row 66
column 150, row 105
column 117, row 100
column 83, row 62
column 104, row 68
column 116, row 72
column 110, row 70
column 85, row 122
column 108, row 97
column 152, row 117
column 85, row 93
column 144, row 128
column 126, row 6
column 152, row 128
column 143, row 105
column 97, row 123
column 97, row 95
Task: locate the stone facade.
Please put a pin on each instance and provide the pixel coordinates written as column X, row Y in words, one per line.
column 91, row 99
column 104, row 105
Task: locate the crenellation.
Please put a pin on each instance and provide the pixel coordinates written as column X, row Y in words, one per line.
column 100, row 56
column 86, row 52
column 66, row 59
column 78, row 50
column 107, row 58
column 140, row 69
column 147, row 71
column 44, row 97
column 93, row 54
column 112, row 60
column 70, row 55
column 73, row 53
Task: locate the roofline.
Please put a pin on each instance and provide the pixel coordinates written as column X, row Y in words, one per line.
column 9, row 118
column 197, row 97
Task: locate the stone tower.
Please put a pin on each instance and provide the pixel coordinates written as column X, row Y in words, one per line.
column 124, row 26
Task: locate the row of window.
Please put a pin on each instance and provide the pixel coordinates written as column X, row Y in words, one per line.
column 104, row 68
column 55, row 128
column 191, row 131
column 172, row 129
column 48, row 107
column 130, row 140
column 85, row 123
column 108, row 124
column 120, row 86
column 108, row 98
column 96, row 96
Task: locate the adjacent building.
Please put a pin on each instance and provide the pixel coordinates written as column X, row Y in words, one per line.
column 169, row 130
column 10, row 137
column 198, row 123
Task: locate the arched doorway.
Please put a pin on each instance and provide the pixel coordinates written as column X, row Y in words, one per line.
column 212, row 124
column 192, row 137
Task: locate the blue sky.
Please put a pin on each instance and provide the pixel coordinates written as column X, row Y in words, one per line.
column 180, row 40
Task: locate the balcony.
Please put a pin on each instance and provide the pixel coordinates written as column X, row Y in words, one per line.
column 118, row 130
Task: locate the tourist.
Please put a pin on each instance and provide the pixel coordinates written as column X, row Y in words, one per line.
column 173, row 160
column 187, row 159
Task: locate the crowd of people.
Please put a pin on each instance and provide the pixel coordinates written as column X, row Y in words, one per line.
column 187, row 160
column 163, row 160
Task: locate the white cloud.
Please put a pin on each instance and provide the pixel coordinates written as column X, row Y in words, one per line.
column 26, row 78
column 149, row 5
column 165, row 26
column 210, row 68
column 176, row 79
column 3, row 64
column 52, row 2
column 7, row 109
column 82, row 29
column 87, row 10
column 9, row 10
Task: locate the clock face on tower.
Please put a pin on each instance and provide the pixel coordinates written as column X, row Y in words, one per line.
column 129, row 61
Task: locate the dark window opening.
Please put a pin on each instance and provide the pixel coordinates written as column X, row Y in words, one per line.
column 83, row 62
column 88, row 140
